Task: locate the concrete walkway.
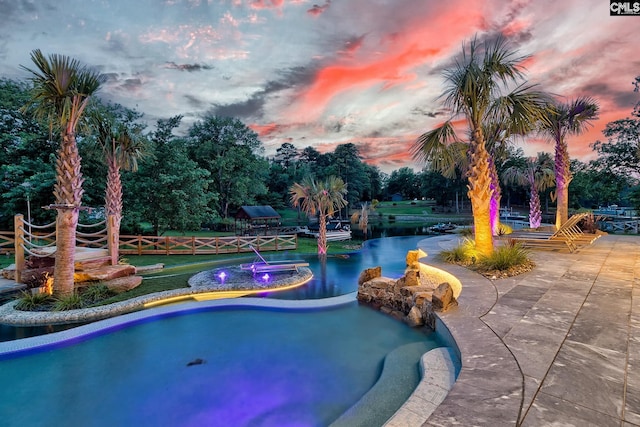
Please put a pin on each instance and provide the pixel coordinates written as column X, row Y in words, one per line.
column 559, row 345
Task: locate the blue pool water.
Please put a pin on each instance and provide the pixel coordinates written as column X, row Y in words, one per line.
column 261, row 367
column 339, row 275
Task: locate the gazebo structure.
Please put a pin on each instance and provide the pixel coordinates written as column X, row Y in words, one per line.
column 257, row 220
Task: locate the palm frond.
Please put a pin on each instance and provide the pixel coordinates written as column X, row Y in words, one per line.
column 437, row 148
column 580, row 112
column 520, row 111
column 62, row 87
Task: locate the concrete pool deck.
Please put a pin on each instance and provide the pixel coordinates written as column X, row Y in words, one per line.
column 559, row 345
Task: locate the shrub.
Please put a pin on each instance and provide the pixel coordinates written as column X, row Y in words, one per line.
column 467, row 232
column 33, row 302
column 504, row 229
column 95, row 293
column 504, row 257
column 465, row 253
column 68, row 302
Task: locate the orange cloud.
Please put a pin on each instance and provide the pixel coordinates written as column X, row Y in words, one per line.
column 266, row 4
column 264, row 130
column 417, row 45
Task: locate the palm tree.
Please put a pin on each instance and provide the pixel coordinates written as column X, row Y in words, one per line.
column 61, row 91
column 565, row 119
column 363, row 216
column 537, row 174
column 474, row 88
column 322, row 198
column 122, row 146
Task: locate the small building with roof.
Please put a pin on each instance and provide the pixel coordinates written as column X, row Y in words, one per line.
column 256, row 220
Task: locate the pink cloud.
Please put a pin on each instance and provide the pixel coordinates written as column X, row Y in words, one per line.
column 399, row 52
column 266, row 4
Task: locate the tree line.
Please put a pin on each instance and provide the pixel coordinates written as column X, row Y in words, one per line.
column 185, row 181
column 176, row 180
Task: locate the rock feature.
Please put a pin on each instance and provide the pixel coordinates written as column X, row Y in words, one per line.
column 369, row 274
column 413, row 298
column 108, row 272
column 443, row 298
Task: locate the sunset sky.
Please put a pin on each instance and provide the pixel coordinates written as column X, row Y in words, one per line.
column 321, row 74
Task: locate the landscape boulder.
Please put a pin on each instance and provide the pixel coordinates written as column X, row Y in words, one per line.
column 412, row 278
column 414, row 318
column 369, row 274
column 104, row 273
column 442, row 298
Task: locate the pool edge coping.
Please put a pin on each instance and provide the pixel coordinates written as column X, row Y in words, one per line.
column 8, row 348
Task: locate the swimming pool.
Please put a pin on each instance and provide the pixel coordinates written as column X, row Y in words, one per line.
column 260, row 366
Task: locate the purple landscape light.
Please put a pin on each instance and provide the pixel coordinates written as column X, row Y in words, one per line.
column 266, row 277
column 222, row 275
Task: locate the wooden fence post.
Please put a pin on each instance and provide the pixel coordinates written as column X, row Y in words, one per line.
column 18, row 223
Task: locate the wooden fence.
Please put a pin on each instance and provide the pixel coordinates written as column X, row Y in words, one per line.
column 168, row 245
column 7, row 242
column 175, row 245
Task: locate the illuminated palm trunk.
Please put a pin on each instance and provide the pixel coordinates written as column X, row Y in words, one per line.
column 563, row 178
column 480, row 194
column 322, row 234
column 495, row 197
column 113, row 200
column 535, row 215
column 68, row 193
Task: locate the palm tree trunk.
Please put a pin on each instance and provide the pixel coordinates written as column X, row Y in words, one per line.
column 480, row 194
column 66, row 224
column 563, row 178
column 113, row 196
column 113, row 203
column 68, row 193
column 535, row 215
column 322, row 234
column 495, row 197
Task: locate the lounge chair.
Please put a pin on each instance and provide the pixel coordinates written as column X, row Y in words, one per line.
column 568, row 236
column 261, row 265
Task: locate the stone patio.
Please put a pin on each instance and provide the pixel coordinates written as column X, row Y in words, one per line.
column 559, row 345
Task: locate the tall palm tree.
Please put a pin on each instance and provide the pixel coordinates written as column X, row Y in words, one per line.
column 537, row 174
column 475, row 88
column 362, row 217
column 322, row 198
column 564, row 119
column 61, row 91
column 122, row 146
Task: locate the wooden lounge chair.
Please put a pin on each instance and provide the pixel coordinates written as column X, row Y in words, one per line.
column 260, row 265
column 568, row 236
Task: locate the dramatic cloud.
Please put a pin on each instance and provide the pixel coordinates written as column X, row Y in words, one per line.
column 320, row 72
